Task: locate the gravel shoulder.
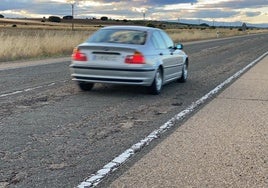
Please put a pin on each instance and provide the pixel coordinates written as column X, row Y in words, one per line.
column 28, row 63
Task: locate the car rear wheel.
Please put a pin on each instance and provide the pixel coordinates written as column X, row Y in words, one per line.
column 157, row 84
column 184, row 75
column 84, row 86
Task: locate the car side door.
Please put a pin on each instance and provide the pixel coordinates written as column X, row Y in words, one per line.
column 175, row 59
column 164, row 54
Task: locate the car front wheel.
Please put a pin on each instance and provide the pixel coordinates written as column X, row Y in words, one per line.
column 184, row 75
column 157, row 84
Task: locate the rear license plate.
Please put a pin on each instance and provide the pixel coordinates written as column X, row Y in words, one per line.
column 100, row 57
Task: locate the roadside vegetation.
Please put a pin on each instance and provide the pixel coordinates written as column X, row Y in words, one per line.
column 29, row 41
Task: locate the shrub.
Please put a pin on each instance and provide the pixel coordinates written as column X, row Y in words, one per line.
column 204, row 25
column 54, row 19
column 104, row 18
column 67, row 17
column 150, row 25
column 43, row 19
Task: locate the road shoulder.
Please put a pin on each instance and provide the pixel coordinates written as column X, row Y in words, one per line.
column 25, row 63
column 223, row 145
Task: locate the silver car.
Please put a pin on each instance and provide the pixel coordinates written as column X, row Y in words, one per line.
column 132, row 55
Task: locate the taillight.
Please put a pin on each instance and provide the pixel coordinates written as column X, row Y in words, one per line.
column 136, row 58
column 78, row 56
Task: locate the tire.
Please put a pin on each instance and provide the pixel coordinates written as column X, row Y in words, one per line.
column 84, row 86
column 157, row 84
column 184, row 75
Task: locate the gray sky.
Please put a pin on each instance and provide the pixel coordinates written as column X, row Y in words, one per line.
column 249, row 11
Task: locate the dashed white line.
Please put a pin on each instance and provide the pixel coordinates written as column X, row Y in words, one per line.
column 96, row 178
column 12, row 93
column 29, row 89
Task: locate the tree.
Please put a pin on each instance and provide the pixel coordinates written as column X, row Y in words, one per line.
column 43, row 19
column 2, row 16
column 244, row 27
column 54, row 19
column 204, row 25
column 104, row 18
column 150, row 25
column 67, row 17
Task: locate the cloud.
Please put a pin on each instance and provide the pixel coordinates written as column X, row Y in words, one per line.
column 236, row 4
column 8, row 5
column 170, row 2
column 133, row 9
column 214, row 14
column 252, row 14
column 148, row 2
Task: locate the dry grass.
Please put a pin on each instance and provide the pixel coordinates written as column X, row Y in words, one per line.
column 27, row 42
column 184, row 35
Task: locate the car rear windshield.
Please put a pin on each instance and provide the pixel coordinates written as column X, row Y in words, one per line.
column 119, row 36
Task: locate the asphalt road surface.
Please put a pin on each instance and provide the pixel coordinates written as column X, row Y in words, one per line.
column 54, row 135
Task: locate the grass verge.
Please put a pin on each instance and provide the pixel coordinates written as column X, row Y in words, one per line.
column 31, row 43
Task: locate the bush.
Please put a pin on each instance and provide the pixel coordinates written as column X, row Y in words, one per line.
column 104, row 18
column 43, row 19
column 204, row 25
column 150, row 25
column 2, row 16
column 67, row 17
column 54, row 19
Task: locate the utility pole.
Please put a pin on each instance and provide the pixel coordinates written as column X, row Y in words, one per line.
column 73, row 16
column 144, row 15
column 72, row 2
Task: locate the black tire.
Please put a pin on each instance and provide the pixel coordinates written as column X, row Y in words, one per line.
column 84, row 86
column 184, row 75
column 157, row 84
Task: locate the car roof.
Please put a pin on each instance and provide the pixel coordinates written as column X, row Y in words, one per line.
column 140, row 28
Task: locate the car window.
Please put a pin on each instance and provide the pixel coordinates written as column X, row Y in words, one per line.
column 119, row 36
column 167, row 39
column 158, row 41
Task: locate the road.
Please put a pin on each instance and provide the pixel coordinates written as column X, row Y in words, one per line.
column 54, row 135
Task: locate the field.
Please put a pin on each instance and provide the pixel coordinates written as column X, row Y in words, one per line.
column 31, row 39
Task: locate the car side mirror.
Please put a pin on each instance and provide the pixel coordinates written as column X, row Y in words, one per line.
column 179, row 46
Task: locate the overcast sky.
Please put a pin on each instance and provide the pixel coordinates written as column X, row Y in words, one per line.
column 249, row 11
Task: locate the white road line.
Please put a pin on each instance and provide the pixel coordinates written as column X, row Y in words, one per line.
column 13, row 93
column 29, row 89
column 96, row 178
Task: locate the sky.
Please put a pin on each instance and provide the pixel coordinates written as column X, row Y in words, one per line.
column 194, row 11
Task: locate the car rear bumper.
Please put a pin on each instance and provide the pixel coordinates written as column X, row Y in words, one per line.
column 129, row 76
